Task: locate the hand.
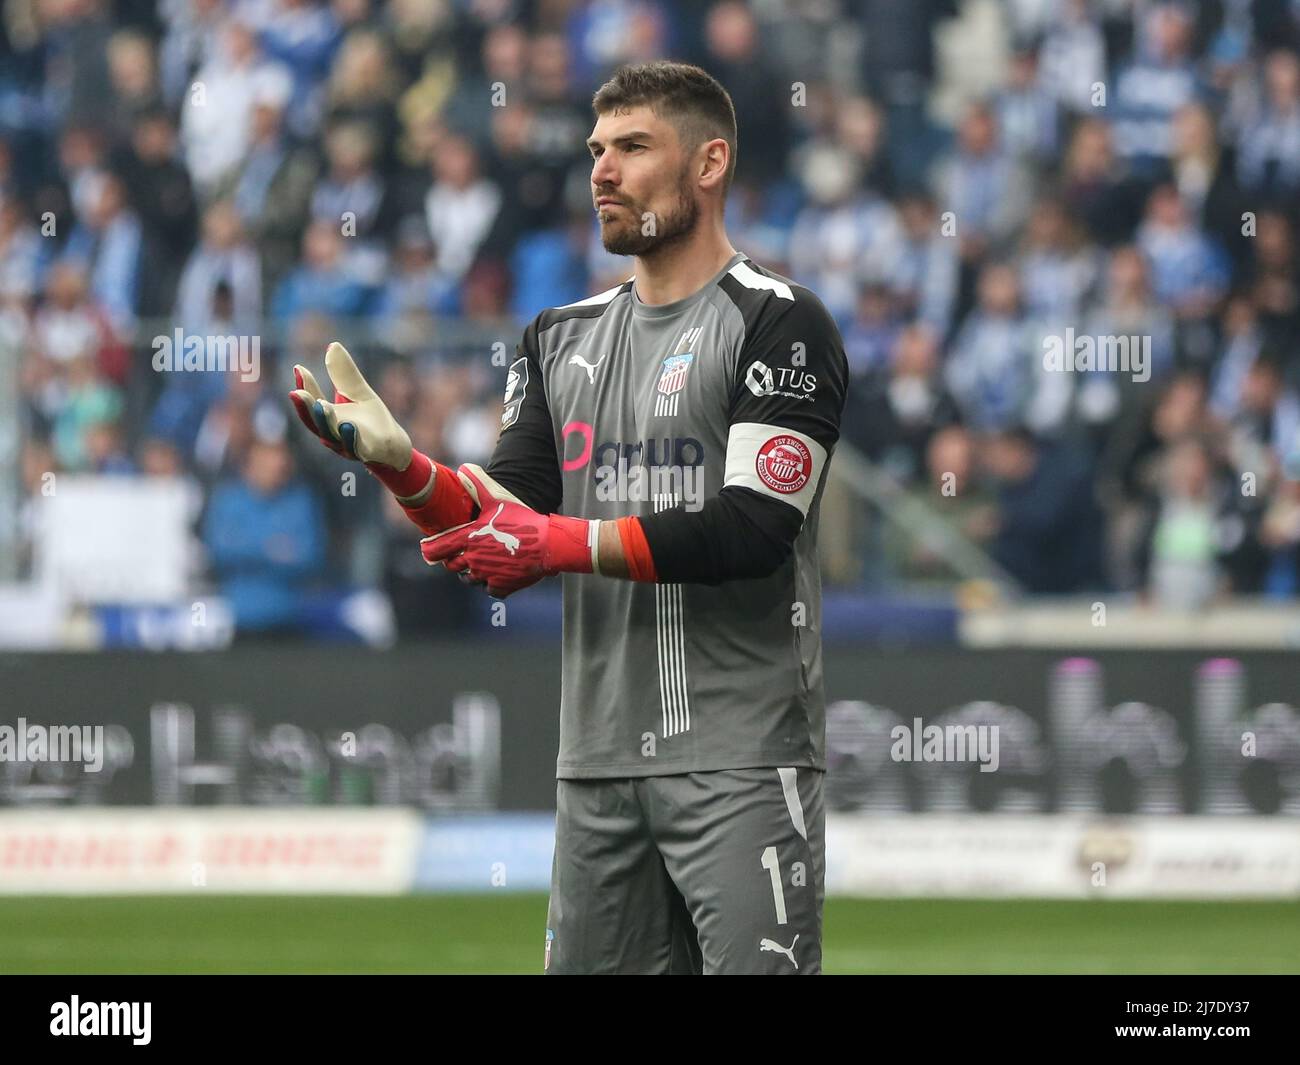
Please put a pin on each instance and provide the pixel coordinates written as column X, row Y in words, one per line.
column 357, row 425
column 509, row 546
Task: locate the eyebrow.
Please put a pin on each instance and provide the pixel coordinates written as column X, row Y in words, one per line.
column 626, row 138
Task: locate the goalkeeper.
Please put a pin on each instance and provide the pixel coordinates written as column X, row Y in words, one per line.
column 690, row 819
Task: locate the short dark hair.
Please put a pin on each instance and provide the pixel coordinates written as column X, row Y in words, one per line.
column 696, row 104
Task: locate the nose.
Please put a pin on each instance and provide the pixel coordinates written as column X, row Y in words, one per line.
column 604, row 174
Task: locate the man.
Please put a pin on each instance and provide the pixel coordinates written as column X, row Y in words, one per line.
column 688, row 415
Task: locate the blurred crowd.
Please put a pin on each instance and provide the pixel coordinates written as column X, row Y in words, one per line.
column 411, row 177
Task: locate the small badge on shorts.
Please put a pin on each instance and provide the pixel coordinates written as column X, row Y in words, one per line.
column 550, row 938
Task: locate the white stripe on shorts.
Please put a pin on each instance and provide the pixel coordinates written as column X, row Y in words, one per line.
column 790, row 785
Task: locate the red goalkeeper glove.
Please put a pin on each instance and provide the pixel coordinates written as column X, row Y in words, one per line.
column 510, row 546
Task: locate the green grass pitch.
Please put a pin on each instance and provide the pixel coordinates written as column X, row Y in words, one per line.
column 504, row 933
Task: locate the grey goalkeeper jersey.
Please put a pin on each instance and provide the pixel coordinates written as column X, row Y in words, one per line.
column 615, row 408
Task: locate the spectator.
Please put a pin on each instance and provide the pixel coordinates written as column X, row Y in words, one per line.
column 461, row 205
column 1268, row 158
column 352, row 196
column 992, row 370
column 958, row 501
column 162, row 196
column 846, row 235
column 362, row 90
column 1188, row 270
column 761, row 98
column 1057, row 270
column 272, row 190
column 1150, row 90
column 982, row 184
column 264, row 535
column 302, row 36
column 894, row 418
column 323, row 283
column 133, row 74
column 1184, row 543
column 86, row 403
column 1096, row 186
column 1026, row 115
column 1126, row 309
column 216, row 118
column 1049, row 534
column 414, row 283
column 108, row 241
column 223, row 257
column 1072, row 57
column 1273, row 279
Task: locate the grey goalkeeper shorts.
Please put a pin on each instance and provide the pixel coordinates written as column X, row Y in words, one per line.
column 712, row 872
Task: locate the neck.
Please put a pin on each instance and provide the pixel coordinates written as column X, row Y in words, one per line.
column 682, row 267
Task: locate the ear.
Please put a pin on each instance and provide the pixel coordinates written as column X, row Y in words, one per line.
column 716, row 157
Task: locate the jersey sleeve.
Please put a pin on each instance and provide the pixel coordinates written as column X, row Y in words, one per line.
column 525, row 460
column 784, row 419
column 786, row 401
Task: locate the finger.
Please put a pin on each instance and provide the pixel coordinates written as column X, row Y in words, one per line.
column 469, row 475
column 457, row 564
column 444, row 545
column 345, row 375
column 325, row 415
column 301, row 399
column 482, row 487
column 303, row 379
column 302, row 407
column 348, row 434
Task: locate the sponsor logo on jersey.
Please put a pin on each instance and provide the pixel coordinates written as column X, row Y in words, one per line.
column 590, row 367
column 672, row 378
column 786, row 381
column 661, row 451
column 585, row 432
column 516, row 389
column 776, row 948
column 784, row 464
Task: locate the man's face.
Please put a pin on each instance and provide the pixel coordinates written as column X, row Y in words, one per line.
column 639, row 182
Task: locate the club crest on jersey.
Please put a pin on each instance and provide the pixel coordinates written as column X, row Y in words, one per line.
column 673, row 376
column 673, row 372
column 784, row 464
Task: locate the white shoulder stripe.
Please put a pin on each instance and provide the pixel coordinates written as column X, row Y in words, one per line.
column 751, row 278
column 599, row 298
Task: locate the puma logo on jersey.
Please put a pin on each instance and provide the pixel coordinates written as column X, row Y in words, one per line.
column 507, row 540
column 772, row 946
column 578, row 360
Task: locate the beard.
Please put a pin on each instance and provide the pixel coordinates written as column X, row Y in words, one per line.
column 630, row 238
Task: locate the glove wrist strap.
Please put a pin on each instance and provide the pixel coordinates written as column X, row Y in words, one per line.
column 569, row 546
column 413, row 485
